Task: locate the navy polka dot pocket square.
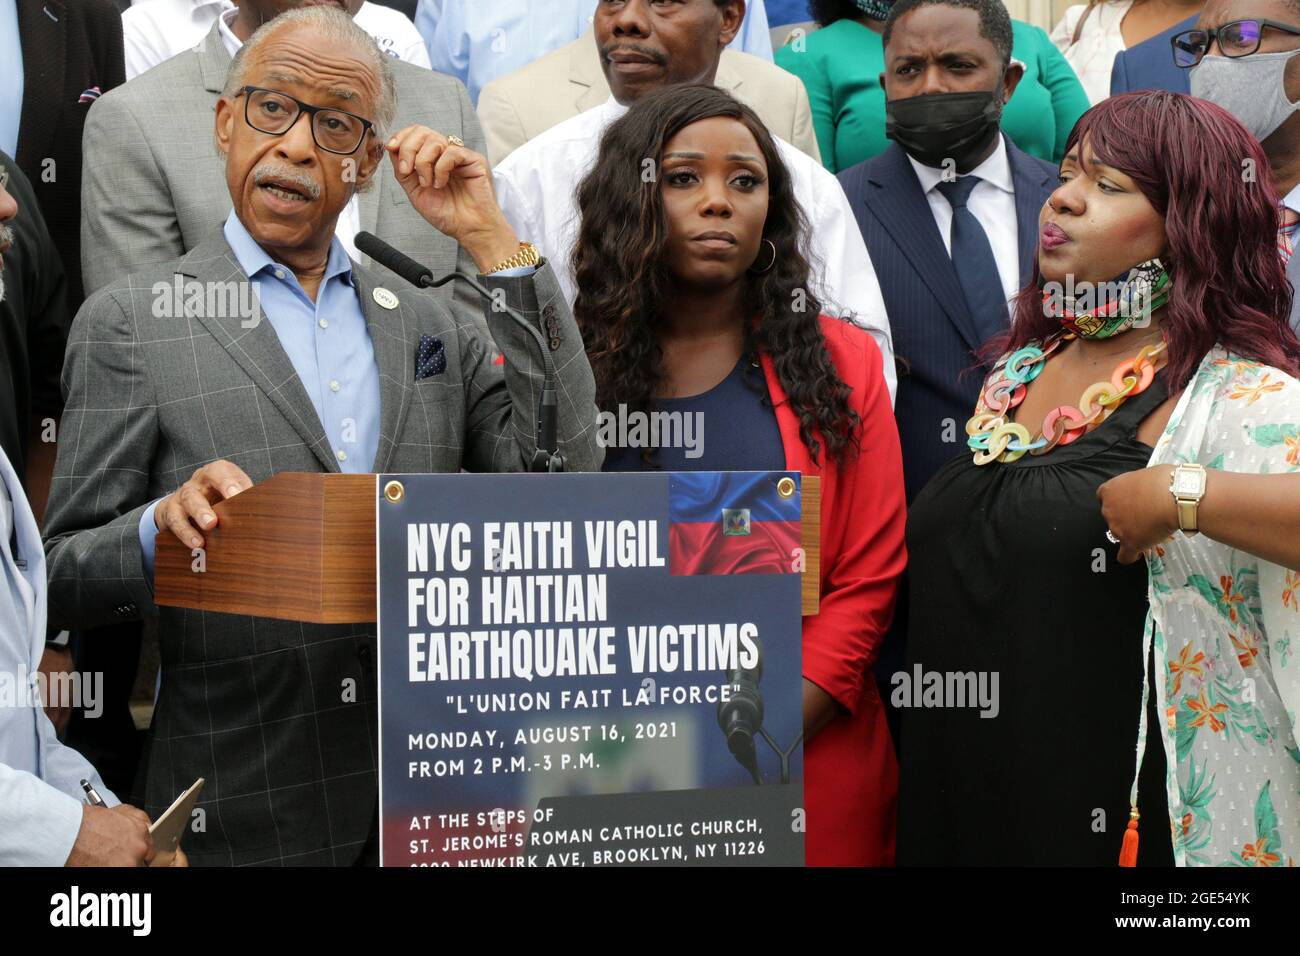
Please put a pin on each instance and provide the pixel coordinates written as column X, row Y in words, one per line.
column 430, row 358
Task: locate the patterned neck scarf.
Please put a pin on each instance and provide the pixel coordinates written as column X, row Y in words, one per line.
column 1105, row 310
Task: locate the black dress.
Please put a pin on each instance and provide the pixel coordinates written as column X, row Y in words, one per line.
column 1011, row 573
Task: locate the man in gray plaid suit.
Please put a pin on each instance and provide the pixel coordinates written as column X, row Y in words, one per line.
column 173, row 405
column 148, row 197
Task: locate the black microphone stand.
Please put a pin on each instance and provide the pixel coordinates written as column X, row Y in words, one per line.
column 782, row 755
column 547, row 457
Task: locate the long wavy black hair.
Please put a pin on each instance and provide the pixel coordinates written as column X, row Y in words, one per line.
column 622, row 276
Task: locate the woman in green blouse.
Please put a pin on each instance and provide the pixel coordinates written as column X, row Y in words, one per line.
column 840, row 66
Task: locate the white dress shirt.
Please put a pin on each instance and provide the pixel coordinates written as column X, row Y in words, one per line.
column 156, row 30
column 993, row 203
column 537, row 184
column 1100, row 41
column 40, row 778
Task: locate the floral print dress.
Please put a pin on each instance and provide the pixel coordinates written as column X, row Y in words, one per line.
column 1225, row 627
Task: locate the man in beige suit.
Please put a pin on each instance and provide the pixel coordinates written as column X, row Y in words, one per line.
column 514, row 108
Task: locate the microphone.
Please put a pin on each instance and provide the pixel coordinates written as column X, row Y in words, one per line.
column 547, row 457
column 741, row 716
column 394, row 259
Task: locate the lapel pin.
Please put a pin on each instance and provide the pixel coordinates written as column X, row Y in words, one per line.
column 384, row 298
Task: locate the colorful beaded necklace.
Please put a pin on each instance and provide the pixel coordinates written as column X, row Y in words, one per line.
column 993, row 438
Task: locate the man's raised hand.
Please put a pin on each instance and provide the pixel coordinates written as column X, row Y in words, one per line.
column 450, row 185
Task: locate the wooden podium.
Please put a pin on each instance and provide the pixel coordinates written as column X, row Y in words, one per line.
column 318, row 531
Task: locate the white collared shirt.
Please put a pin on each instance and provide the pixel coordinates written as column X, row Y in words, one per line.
column 536, row 186
column 156, row 30
column 1100, row 41
column 993, row 202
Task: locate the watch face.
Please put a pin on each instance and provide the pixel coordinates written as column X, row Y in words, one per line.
column 1188, row 482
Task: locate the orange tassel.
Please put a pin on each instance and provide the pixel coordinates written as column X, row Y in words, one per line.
column 1128, row 852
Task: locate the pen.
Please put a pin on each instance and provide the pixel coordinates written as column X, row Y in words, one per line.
column 92, row 795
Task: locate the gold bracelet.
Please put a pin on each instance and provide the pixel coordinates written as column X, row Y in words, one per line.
column 526, row 256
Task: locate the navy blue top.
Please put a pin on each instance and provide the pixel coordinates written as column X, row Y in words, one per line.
column 731, row 427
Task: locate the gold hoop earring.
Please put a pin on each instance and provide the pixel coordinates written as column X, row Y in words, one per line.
column 771, row 263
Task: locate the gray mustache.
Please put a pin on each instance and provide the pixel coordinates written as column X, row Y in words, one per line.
column 286, row 174
column 654, row 55
column 6, row 235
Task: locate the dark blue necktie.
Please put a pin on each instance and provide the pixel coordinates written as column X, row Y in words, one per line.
column 972, row 257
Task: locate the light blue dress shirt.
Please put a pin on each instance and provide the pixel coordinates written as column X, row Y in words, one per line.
column 11, row 77
column 329, row 345
column 40, row 790
column 477, row 40
column 755, row 36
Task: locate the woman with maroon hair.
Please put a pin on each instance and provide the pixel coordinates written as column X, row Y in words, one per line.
column 1145, row 392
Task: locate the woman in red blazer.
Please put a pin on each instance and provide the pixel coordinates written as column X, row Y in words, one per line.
column 694, row 297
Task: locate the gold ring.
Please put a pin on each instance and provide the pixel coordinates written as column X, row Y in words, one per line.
column 455, row 141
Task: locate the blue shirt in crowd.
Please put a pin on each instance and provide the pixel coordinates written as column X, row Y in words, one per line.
column 784, row 12
column 40, row 809
column 11, row 77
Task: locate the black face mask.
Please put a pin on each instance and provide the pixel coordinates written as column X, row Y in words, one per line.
column 939, row 126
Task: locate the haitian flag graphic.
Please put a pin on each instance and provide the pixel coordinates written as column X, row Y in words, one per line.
column 736, row 522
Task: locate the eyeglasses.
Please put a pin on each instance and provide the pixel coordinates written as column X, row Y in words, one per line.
column 274, row 113
column 1238, row 38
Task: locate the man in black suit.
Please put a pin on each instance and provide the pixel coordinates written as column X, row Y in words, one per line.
column 949, row 213
column 72, row 52
column 34, row 322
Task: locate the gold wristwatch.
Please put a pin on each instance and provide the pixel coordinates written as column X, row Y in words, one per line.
column 526, row 256
column 1188, row 487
